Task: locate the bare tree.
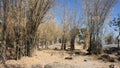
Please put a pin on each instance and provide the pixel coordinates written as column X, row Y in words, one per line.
column 37, row 10
column 63, row 20
column 96, row 13
column 74, row 25
column 70, row 20
column 20, row 24
column 48, row 32
column 13, row 15
column 4, row 9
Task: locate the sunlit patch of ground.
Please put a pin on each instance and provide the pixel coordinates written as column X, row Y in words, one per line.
column 44, row 57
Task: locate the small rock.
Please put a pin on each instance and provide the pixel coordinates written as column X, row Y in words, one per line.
column 105, row 57
column 108, row 58
column 55, row 48
column 100, row 58
column 111, row 66
column 85, row 60
column 88, row 54
column 69, row 58
column 111, row 60
column 77, row 53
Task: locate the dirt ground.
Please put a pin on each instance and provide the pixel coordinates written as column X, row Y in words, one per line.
column 44, row 57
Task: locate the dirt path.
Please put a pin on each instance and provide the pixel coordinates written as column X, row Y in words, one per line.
column 51, row 56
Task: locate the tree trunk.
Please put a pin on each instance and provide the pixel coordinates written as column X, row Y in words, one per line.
column 95, row 45
column 30, row 46
column 4, row 27
column 72, row 44
column 30, row 32
column 63, row 46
